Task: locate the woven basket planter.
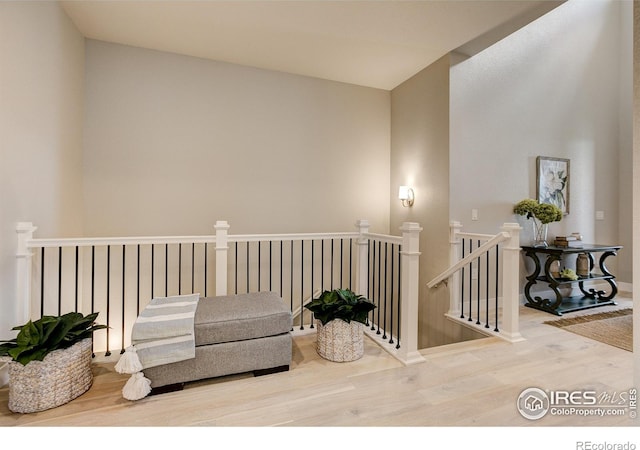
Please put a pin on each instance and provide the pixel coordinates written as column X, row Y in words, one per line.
column 62, row 376
column 340, row 341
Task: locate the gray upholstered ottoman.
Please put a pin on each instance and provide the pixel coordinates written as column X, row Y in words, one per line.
column 234, row 334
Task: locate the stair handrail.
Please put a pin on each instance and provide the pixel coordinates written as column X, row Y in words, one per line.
column 495, row 240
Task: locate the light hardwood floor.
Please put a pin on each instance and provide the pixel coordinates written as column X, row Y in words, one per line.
column 473, row 383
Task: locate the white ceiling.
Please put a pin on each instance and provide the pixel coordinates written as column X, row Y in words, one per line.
column 371, row 43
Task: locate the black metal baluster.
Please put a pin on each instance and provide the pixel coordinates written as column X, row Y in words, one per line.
column 206, row 245
column 384, row 318
column 166, row 270
column 478, row 289
column 108, row 352
column 322, row 266
column 470, row 283
column 313, row 244
column 399, row 293
column 393, row 255
column 93, row 277
column 193, row 267
column 259, row 262
column 302, row 284
column 77, row 277
column 341, row 263
column 369, row 276
column 153, row 265
column 350, row 264
column 487, row 294
column 379, row 283
column 332, row 264
column 248, row 265
column 281, row 267
column 42, row 283
column 180, row 269
column 270, row 265
column 291, row 274
column 373, row 285
column 497, row 273
column 236, row 270
column 123, row 295
column 462, row 285
column 59, row 281
column 138, row 282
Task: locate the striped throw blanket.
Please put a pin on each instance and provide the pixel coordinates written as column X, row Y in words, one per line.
column 163, row 333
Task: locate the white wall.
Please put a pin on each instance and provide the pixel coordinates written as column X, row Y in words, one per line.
column 41, row 101
column 173, row 143
column 554, row 89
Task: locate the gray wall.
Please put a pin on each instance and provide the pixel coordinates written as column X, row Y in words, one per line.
column 41, row 99
column 173, row 143
column 558, row 87
column 420, row 158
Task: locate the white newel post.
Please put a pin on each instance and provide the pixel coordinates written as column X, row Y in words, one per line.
column 511, row 283
column 410, row 280
column 454, row 256
column 23, row 286
column 362, row 261
column 221, row 228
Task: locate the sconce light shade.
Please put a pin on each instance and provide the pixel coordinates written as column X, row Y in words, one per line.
column 405, row 194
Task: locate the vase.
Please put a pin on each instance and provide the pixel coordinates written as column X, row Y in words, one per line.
column 539, row 233
column 340, row 341
column 59, row 378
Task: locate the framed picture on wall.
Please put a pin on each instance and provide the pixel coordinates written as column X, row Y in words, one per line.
column 552, row 182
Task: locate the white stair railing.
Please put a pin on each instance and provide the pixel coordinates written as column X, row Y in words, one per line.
column 484, row 292
column 118, row 276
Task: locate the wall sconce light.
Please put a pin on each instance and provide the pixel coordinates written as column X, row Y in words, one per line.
column 405, row 194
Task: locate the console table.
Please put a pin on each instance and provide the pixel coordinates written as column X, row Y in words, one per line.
column 591, row 297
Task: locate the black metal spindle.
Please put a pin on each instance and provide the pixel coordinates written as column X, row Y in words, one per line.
column 497, row 273
column 462, row 285
column 486, row 325
column 470, row 283
column 236, row 269
column 322, row 266
column 291, row 274
column 76, row 281
column 332, row 243
column 351, row 264
column 281, row 267
column 341, row 263
column 108, row 352
column 302, row 284
column 384, row 318
column 93, row 277
column 270, row 265
column 193, row 267
column 247, row 266
column 180, row 268
column 478, row 289
column 313, row 244
column 166, row 270
column 59, row 281
column 369, row 276
column 399, row 294
column 138, row 281
column 206, row 245
column 373, row 284
column 393, row 255
column 152, row 269
column 124, row 252
column 379, row 283
column 42, row 283
column 259, row 262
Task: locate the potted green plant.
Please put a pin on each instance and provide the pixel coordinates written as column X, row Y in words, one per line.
column 49, row 361
column 542, row 214
column 340, row 316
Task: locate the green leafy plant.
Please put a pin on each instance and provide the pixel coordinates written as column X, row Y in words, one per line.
column 544, row 212
column 341, row 304
column 37, row 339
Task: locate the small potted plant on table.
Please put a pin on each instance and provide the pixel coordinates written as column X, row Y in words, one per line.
column 340, row 317
column 49, row 361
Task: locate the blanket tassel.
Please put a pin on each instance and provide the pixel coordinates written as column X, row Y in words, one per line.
column 137, row 387
column 129, row 361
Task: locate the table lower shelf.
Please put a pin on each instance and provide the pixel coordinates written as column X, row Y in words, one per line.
column 571, row 304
